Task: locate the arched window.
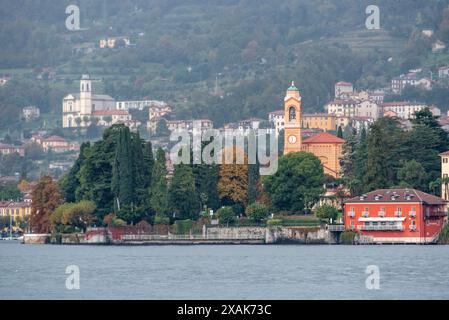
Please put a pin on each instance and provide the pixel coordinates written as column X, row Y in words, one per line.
column 87, row 86
column 291, row 113
column 82, row 87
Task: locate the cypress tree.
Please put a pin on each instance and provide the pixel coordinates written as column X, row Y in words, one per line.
column 158, row 189
column 123, row 180
column 340, row 132
column 148, row 162
column 183, row 197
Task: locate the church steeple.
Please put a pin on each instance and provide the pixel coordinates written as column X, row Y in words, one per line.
column 293, row 91
column 292, row 120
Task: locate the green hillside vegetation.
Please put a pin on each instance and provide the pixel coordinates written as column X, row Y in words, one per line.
column 181, row 48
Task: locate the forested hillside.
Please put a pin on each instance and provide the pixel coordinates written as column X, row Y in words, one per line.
column 222, row 60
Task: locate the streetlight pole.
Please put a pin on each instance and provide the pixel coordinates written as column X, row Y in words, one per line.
column 10, row 226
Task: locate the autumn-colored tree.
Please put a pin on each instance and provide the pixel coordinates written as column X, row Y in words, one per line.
column 46, row 197
column 23, row 186
column 233, row 178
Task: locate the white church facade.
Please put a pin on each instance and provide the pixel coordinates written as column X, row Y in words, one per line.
column 79, row 108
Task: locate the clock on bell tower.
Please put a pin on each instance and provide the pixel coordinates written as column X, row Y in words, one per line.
column 292, row 120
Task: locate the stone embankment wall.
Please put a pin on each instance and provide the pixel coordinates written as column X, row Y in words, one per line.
column 298, row 235
column 210, row 235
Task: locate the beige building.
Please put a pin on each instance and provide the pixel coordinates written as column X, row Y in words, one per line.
column 343, row 88
column 323, row 121
column 112, row 42
column 58, row 144
column 444, row 175
column 405, row 109
column 328, row 148
column 155, row 112
column 276, row 119
column 17, row 210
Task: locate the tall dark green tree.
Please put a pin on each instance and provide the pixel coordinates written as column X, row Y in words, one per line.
column 385, row 146
column 297, row 184
column 340, row 132
column 148, row 159
column 123, row 171
column 70, row 182
column 158, row 193
column 183, row 197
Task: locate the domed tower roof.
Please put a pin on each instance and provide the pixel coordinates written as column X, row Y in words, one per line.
column 293, row 87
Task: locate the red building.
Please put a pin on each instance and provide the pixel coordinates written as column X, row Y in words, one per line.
column 396, row 216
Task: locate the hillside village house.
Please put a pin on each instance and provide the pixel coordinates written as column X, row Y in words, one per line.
column 410, row 79
column 109, row 117
column 443, row 72
column 6, row 149
column 396, row 216
column 140, row 104
column 353, row 108
column 112, row 42
column 156, row 112
column 276, row 119
column 30, row 113
column 196, row 126
column 343, row 88
column 405, row 110
column 55, row 143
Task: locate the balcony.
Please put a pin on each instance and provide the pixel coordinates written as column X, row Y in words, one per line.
column 336, row 227
column 395, row 227
column 412, row 228
column 365, row 214
column 351, row 214
column 412, row 214
column 398, row 214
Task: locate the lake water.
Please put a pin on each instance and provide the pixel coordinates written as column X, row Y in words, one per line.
column 223, row 272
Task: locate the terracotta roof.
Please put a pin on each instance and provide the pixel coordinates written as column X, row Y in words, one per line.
column 323, row 137
column 317, row 115
column 343, row 101
column 55, row 138
column 397, row 195
column 9, row 146
column 400, row 103
column 280, row 112
column 445, row 153
column 110, row 113
column 343, row 83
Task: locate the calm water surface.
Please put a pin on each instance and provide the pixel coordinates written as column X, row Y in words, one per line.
column 223, row 272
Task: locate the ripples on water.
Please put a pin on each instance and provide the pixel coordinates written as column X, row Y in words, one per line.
column 223, row 272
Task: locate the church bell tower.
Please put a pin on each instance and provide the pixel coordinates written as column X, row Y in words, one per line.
column 292, row 120
column 85, row 95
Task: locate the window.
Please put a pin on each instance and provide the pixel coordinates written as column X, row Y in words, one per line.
column 291, row 113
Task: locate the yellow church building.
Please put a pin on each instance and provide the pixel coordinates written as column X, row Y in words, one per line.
column 325, row 146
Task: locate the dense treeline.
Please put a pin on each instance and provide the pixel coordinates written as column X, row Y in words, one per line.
column 120, row 176
column 387, row 156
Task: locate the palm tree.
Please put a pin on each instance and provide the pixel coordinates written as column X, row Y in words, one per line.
column 433, row 185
